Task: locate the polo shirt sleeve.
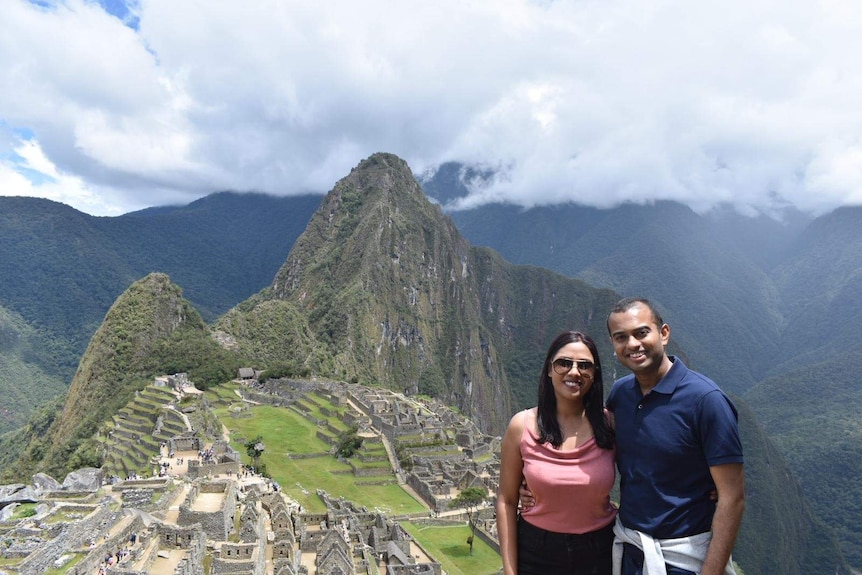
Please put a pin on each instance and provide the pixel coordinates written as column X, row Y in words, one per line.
column 719, row 429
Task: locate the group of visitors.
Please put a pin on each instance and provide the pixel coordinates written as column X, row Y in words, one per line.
column 207, row 456
column 670, row 432
column 118, row 557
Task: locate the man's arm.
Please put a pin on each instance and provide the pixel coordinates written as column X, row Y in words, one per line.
column 730, row 483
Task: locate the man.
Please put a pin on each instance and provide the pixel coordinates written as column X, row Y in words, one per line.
column 677, row 440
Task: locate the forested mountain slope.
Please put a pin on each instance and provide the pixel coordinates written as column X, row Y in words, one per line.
column 60, row 271
column 381, row 288
column 754, row 301
column 150, row 330
column 387, row 288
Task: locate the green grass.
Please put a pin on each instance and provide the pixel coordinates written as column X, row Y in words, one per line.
column 64, row 516
column 10, row 561
column 312, row 406
column 23, row 510
column 323, row 401
column 383, row 466
column 222, row 394
column 448, row 545
column 484, row 458
column 284, row 432
column 68, row 567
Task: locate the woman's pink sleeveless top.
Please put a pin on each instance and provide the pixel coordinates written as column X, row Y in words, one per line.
column 571, row 487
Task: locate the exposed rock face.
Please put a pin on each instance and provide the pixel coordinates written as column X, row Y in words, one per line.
column 85, row 479
column 382, row 284
column 17, row 493
column 44, row 482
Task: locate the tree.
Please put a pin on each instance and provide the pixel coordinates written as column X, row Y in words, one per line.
column 255, row 449
column 470, row 499
column 349, row 443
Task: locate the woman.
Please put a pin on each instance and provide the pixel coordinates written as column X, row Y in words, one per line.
column 564, row 448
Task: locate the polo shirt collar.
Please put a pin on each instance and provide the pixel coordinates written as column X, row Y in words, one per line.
column 668, row 384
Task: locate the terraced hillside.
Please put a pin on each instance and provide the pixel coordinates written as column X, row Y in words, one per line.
column 135, row 433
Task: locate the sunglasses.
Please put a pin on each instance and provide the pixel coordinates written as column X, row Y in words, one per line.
column 564, row 365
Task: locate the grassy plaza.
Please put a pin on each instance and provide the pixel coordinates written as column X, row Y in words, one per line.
column 449, row 546
column 287, row 433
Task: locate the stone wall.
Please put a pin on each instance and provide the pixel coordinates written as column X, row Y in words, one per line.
column 247, row 558
column 184, row 443
column 415, row 569
column 138, row 498
column 80, row 535
column 314, row 518
column 192, row 539
column 151, row 494
column 76, row 535
column 435, row 495
column 197, row 470
column 216, row 524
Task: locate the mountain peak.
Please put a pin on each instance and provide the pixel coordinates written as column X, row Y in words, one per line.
column 368, row 219
column 149, row 327
column 384, row 286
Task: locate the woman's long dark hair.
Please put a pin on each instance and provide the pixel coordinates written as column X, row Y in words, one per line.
column 549, row 427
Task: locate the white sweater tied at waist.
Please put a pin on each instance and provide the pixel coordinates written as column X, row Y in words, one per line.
column 683, row 552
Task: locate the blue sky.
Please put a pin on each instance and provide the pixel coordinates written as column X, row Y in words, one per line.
column 113, row 106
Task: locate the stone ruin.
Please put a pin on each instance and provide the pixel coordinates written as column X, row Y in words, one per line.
column 442, row 445
column 344, row 540
column 222, row 460
column 183, row 522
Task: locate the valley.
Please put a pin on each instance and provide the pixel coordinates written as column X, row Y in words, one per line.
column 384, row 289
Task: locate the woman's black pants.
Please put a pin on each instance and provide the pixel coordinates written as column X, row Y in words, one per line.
column 543, row 552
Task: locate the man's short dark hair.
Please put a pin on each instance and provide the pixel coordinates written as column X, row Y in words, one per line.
column 627, row 303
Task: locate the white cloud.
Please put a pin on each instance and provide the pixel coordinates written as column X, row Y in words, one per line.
column 595, row 101
column 28, row 172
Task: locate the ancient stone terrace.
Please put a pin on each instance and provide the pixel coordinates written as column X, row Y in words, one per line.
column 205, row 511
column 139, row 429
column 445, row 452
column 434, row 450
column 190, row 524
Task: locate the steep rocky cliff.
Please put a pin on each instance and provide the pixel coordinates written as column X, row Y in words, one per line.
column 387, row 291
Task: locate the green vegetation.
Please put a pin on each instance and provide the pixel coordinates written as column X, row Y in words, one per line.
column 10, row 561
column 63, row 269
column 24, row 510
column 382, row 288
column 470, row 499
column 348, row 444
column 20, row 346
column 150, row 327
column 288, row 435
column 254, row 448
column 777, row 516
column 448, row 546
column 831, row 416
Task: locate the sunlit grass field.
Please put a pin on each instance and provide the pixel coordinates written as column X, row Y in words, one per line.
column 286, row 432
column 449, row 546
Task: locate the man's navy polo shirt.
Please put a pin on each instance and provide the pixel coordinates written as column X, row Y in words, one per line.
column 666, row 442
